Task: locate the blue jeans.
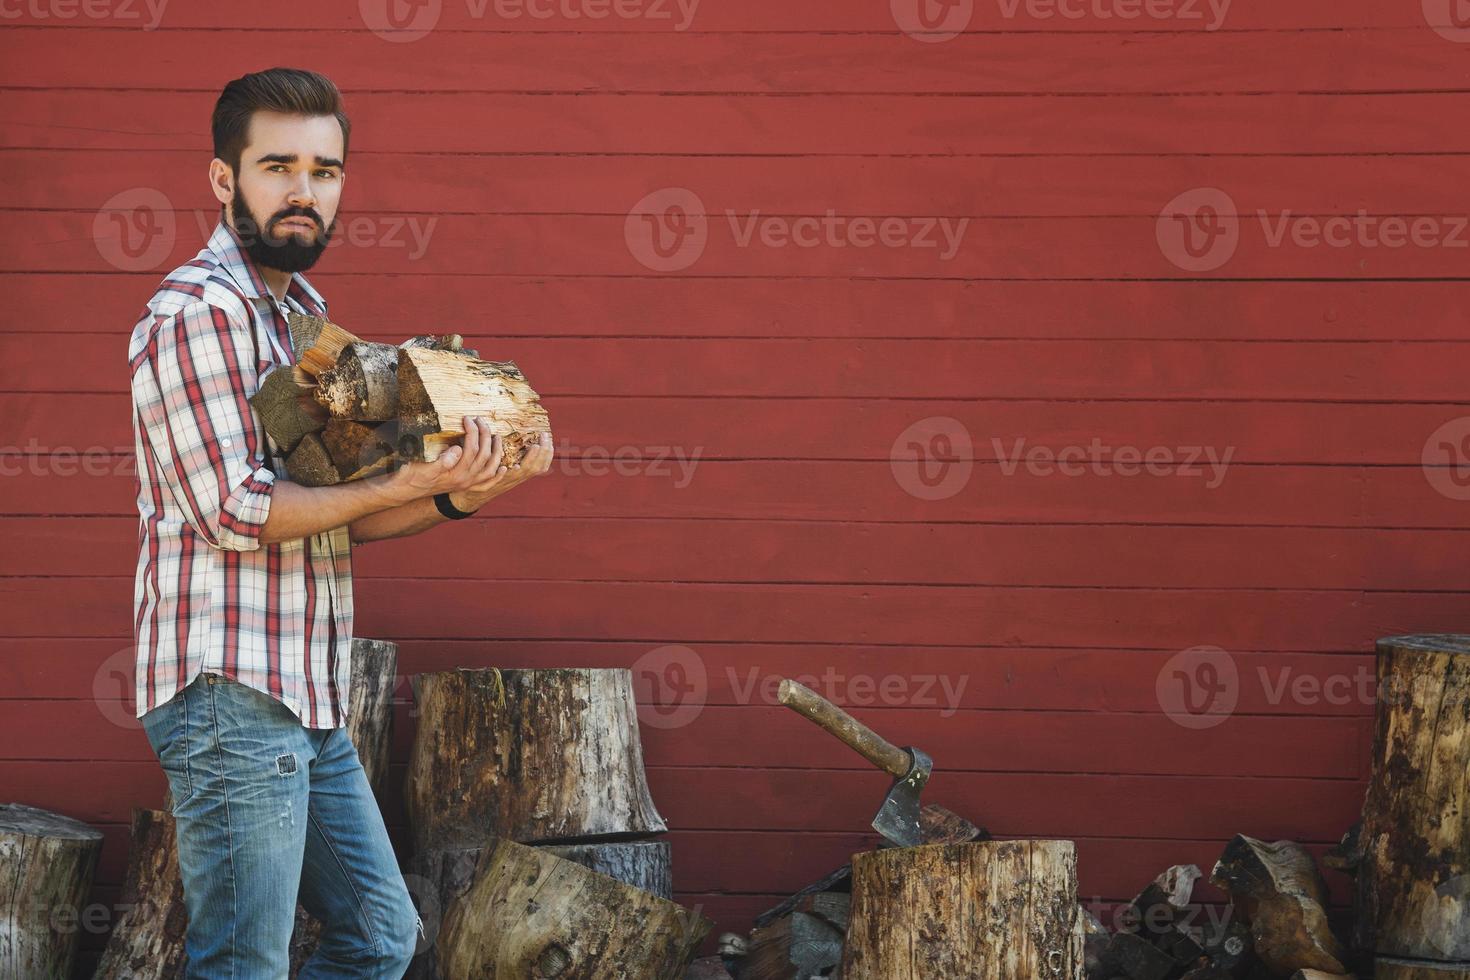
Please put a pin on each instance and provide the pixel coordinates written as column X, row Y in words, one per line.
column 269, row 812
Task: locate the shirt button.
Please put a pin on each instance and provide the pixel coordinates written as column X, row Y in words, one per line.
column 225, row 443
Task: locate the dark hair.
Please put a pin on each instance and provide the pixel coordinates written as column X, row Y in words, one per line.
column 292, row 90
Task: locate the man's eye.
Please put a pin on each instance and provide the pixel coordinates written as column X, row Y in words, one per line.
column 276, row 166
column 329, row 174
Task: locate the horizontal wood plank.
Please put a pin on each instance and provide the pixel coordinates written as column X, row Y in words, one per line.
column 735, row 124
column 887, row 614
column 1092, row 63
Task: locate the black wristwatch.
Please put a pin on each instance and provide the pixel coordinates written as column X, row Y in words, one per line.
column 441, row 501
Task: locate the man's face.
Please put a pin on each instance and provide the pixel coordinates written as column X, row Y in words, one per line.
column 284, row 206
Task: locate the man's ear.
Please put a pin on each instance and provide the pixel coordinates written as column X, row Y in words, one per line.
column 221, row 181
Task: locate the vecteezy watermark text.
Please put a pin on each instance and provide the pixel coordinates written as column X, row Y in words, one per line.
column 147, row 14
column 410, row 20
column 1201, row 229
column 1100, row 459
column 669, row 229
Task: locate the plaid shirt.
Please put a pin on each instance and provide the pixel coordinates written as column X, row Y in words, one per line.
column 207, row 594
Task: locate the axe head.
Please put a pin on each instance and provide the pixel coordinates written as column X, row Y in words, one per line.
column 898, row 817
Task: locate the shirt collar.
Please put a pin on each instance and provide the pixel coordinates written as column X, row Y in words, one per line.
column 227, row 248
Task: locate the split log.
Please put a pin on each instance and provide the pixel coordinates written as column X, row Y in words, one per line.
column 286, row 406
column 1278, row 891
column 435, row 341
column 529, row 914
column 1319, row 975
column 436, row 389
column 1413, row 882
column 1396, row 968
column 1157, row 909
column 317, row 342
column 1131, row 955
column 359, row 449
column 147, row 941
column 998, row 909
column 532, row 755
column 363, row 384
column 310, row 465
column 937, row 825
column 707, row 968
column 374, row 675
column 47, row 862
column 645, row 864
column 806, row 943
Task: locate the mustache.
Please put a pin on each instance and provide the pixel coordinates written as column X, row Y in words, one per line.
column 298, row 212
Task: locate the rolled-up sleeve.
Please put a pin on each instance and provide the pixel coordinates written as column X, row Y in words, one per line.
column 191, row 390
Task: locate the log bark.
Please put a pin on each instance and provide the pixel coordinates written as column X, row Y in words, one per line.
column 807, row 942
column 359, row 449
column 436, row 389
column 1277, row 889
column 374, row 675
column 529, row 915
column 317, row 342
column 1395, row 968
column 286, row 407
column 532, row 755
column 310, row 465
column 998, row 909
column 47, row 862
column 1413, row 882
column 363, row 384
column 147, row 941
column 645, row 864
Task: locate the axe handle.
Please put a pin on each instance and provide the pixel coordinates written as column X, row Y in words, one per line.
column 847, row 729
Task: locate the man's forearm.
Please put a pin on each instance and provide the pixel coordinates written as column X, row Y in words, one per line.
column 298, row 512
column 397, row 522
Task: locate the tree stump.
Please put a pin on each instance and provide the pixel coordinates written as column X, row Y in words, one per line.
column 437, row 878
column 530, row 915
column 530, row 755
column 1003, row 910
column 645, row 864
column 1413, row 883
column 147, row 941
column 370, row 726
column 47, row 862
column 1393, row 968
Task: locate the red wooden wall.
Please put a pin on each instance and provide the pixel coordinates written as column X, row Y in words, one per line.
column 1078, row 151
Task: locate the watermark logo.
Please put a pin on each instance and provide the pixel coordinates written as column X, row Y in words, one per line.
column 400, row 20
column 1100, row 459
column 1209, row 14
column 671, row 686
column 1199, row 230
column 1198, row 688
column 136, row 229
column 1450, row 19
column 667, row 230
column 933, row 458
column 113, row 688
column 1446, row 459
column 932, row 21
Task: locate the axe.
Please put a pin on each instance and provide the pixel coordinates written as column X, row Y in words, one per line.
column 898, row 819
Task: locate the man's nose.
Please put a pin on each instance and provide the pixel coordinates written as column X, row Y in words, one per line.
column 301, row 194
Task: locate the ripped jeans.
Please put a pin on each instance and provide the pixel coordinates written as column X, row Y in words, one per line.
column 269, row 812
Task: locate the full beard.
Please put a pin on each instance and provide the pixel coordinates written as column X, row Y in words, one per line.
column 288, row 254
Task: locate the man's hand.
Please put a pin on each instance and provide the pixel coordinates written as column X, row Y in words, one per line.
column 458, row 468
column 536, row 462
